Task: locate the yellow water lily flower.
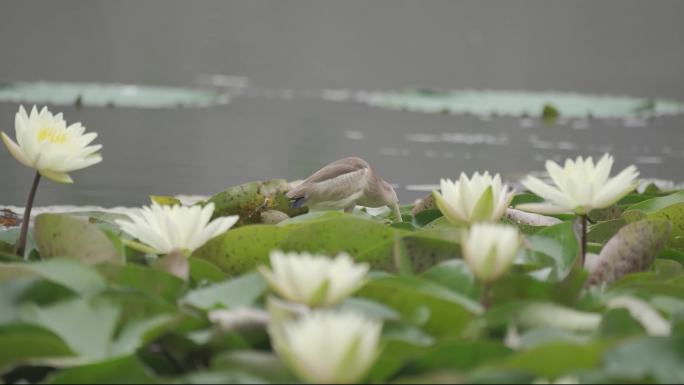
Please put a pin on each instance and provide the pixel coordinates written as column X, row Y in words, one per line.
column 314, row 280
column 45, row 143
column 580, row 186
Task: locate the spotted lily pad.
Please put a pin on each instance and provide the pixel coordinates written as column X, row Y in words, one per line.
column 250, row 200
column 631, row 250
column 107, row 95
column 522, row 103
column 675, row 215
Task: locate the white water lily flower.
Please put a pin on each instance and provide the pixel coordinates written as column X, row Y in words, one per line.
column 489, row 249
column 480, row 198
column 325, row 347
column 175, row 228
column 580, row 186
column 314, row 280
column 46, row 144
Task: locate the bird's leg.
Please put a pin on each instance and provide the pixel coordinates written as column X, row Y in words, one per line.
column 397, row 213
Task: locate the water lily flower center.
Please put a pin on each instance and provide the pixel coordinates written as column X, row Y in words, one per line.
column 52, row 135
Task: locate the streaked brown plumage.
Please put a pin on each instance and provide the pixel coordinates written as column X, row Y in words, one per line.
column 341, row 185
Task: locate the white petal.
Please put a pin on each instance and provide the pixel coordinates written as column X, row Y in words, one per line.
column 15, row 150
column 57, row 176
column 543, row 208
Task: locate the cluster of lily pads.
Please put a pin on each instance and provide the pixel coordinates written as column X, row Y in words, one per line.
column 471, row 285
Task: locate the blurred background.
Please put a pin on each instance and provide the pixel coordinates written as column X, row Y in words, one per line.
column 305, row 47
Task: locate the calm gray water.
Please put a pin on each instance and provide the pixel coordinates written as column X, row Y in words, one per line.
column 617, row 47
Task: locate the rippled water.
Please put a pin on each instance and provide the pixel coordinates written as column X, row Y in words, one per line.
column 297, row 66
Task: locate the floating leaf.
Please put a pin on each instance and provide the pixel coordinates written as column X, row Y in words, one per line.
column 243, row 249
column 59, row 235
column 121, row 370
column 655, row 204
column 632, row 249
column 557, row 242
column 71, row 274
column 242, row 291
column 86, row 325
column 556, row 358
column 529, row 223
column 647, row 358
column 250, row 199
column 675, row 215
column 432, row 307
column 521, row 103
column 603, row 231
column 107, row 95
column 147, row 282
column 424, row 217
column 202, row 271
column 333, row 236
column 22, row 343
column 459, row 355
column 455, row 275
column 606, row 214
column 165, row 200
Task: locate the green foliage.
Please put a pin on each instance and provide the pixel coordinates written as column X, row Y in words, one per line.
column 87, row 309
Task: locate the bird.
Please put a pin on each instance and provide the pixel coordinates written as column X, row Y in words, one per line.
column 343, row 184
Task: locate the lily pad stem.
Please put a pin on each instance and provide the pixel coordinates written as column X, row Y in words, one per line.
column 583, row 242
column 486, row 296
column 26, row 220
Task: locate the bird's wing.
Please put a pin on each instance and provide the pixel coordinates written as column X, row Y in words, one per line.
column 343, row 168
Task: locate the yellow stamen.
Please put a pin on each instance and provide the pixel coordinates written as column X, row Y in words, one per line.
column 51, row 135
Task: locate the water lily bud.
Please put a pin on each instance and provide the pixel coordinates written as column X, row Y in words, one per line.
column 325, row 347
column 314, row 280
column 481, row 198
column 580, row 186
column 175, row 228
column 489, row 249
column 45, row 143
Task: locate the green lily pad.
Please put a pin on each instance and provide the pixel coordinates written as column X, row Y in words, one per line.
column 250, row 200
column 661, row 359
column 436, row 309
column 522, row 103
column 237, row 292
column 605, row 214
column 675, row 215
column 603, row 231
column 23, row 343
column 655, row 204
column 557, row 242
column 459, row 355
column 120, row 370
column 632, row 249
column 455, row 275
column 76, row 276
column 60, row 235
column 348, row 234
column 243, row 249
column 87, row 325
column 148, row 282
column 107, row 95
column 556, row 358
